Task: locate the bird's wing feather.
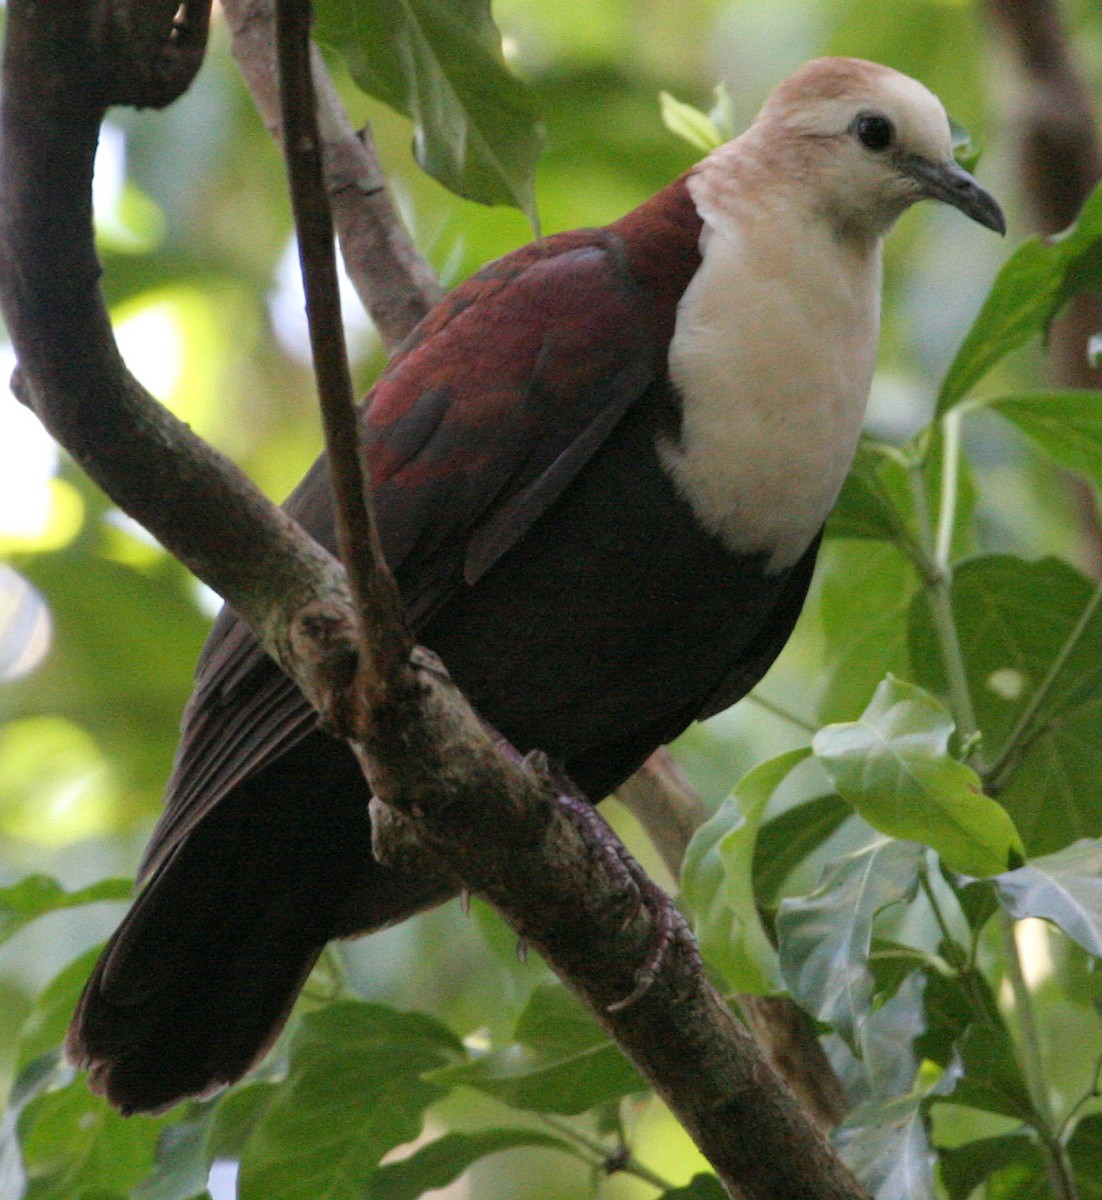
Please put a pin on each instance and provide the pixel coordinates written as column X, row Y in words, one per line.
column 493, row 405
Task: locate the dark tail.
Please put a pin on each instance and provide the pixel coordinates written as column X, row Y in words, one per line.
column 196, row 984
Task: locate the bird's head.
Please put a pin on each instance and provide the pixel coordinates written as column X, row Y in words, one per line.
column 866, row 142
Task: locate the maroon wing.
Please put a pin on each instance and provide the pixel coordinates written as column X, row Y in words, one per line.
column 493, row 405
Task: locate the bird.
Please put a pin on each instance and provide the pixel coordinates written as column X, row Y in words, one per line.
column 601, row 468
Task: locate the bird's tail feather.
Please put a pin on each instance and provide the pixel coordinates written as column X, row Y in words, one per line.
column 196, row 984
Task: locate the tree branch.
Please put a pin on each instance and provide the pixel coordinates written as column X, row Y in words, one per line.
column 425, row 752
column 395, row 284
column 385, row 642
column 670, row 810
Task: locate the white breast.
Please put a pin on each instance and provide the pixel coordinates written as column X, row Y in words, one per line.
column 773, row 353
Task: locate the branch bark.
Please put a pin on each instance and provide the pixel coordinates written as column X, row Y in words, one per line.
column 670, row 810
column 426, row 754
column 395, row 284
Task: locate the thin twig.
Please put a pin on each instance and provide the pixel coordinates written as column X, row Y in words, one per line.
column 387, row 642
column 394, row 282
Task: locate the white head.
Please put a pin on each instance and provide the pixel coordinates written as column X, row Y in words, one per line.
column 866, row 142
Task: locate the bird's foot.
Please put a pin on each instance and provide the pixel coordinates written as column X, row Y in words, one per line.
column 671, row 929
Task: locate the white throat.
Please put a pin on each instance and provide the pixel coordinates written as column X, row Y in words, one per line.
column 773, row 354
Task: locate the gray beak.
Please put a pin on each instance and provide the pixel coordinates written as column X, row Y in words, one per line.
column 951, row 183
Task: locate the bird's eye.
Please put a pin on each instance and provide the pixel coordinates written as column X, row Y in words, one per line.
column 875, row 132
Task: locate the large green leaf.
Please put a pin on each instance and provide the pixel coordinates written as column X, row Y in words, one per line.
column 866, row 592
column 875, row 498
column 1067, row 426
column 561, row 1061
column 476, row 128
column 1013, row 618
column 1029, row 290
column 789, row 838
column 964, row 1168
column 991, row 1079
column 824, row 938
column 74, row 1144
column 1085, row 1152
column 442, row 1161
column 717, row 880
column 893, row 765
column 886, row 1147
column 354, row 1090
column 878, row 499
column 886, row 1040
column 37, row 895
column 44, row 1029
column 1064, row 888
column 182, row 1162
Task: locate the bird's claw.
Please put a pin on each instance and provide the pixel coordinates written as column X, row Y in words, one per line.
column 671, row 928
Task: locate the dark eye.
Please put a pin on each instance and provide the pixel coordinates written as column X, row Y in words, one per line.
column 875, row 132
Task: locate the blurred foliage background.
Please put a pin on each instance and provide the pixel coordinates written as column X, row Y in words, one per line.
column 96, row 656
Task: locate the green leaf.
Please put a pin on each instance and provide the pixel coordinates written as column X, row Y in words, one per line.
column 1085, row 1152
column 717, row 880
column 824, row 938
column 878, row 499
column 44, row 1029
column 886, row 1147
column 893, row 765
column 874, row 498
column 561, row 1062
column 236, row 1115
column 695, row 127
column 991, row 1080
column 37, row 895
column 182, row 1163
column 74, row 1144
column 964, row 1168
column 1064, row 888
column 1013, row 618
column 785, row 841
column 354, row 1090
column 866, row 590
column 886, row 1039
column 952, row 1004
column 1026, row 295
column 442, row 1161
column 439, row 62
column 1067, row 426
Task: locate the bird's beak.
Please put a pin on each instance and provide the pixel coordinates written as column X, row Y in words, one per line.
column 950, row 182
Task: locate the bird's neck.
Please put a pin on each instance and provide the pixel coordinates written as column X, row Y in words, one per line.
column 772, row 356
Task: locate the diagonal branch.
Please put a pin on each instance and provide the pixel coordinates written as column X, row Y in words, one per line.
column 386, row 642
column 394, row 282
column 425, row 752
